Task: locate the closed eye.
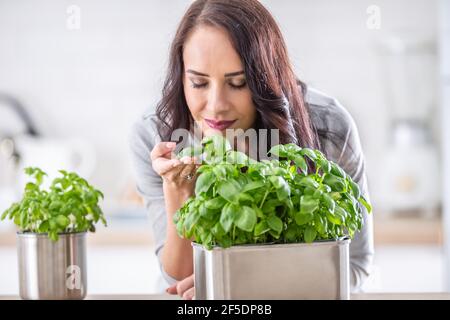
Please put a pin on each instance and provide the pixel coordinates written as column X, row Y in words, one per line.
column 239, row 86
column 233, row 86
column 198, row 85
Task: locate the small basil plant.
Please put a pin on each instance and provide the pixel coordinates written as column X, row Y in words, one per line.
column 69, row 205
column 242, row 201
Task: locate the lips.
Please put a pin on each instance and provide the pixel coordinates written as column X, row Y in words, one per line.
column 219, row 125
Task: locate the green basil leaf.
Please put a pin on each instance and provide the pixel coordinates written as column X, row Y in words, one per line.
column 303, row 218
column 220, row 171
column 307, row 182
column 325, row 165
column 309, row 153
column 228, row 215
column 291, row 233
column 355, row 188
column 43, row 227
column 62, row 221
column 191, row 219
column 310, row 234
column 206, row 213
column 217, row 145
column 275, row 223
column 292, row 148
column 336, row 183
column 301, row 163
column 246, row 219
column 204, row 182
column 216, row 203
column 253, row 185
column 270, row 205
column 245, row 198
column 282, row 187
column 278, row 151
column 218, row 230
column 261, row 228
column 320, row 224
column 237, row 157
column 229, row 190
column 308, row 204
column 335, row 219
column 329, row 202
column 341, row 212
column 365, row 204
column 24, row 218
column 337, row 170
column 53, row 235
column 190, row 152
column 259, row 212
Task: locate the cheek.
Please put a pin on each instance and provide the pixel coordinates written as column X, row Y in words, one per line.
column 194, row 101
column 248, row 110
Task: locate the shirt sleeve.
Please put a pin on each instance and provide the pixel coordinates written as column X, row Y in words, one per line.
column 346, row 151
column 142, row 138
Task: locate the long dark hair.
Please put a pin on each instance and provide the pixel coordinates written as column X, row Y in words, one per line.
column 276, row 92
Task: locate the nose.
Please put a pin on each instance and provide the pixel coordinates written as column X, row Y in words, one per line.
column 217, row 100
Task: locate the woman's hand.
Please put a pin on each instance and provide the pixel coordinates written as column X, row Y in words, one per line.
column 184, row 288
column 179, row 176
column 178, row 173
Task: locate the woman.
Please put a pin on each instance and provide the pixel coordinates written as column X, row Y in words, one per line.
column 229, row 69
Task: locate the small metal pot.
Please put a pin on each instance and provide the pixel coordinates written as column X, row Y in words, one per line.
column 51, row 270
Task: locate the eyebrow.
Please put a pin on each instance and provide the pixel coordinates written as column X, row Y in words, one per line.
column 231, row 74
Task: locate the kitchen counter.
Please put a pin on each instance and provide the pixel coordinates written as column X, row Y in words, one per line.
column 358, row 296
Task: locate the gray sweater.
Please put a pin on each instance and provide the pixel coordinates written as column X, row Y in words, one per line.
column 340, row 143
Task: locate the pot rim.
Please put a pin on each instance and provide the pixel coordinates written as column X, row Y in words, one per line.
column 340, row 240
column 29, row 234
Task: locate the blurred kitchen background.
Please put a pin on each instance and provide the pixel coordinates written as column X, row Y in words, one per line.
column 75, row 75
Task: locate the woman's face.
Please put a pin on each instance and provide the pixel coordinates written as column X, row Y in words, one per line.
column 214, row 83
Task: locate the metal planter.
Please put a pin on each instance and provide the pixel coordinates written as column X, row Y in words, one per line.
column 52, row 270
column 318, row 270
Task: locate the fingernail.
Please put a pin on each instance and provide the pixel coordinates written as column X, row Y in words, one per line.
column 170, row 144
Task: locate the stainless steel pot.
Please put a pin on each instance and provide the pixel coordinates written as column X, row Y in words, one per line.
column 318, row 270
column 52, row 270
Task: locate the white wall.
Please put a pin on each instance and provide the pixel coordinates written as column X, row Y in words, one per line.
column 334, row 50
column 94, row 82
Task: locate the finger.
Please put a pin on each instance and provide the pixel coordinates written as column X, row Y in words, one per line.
column 187, row 170
column 173, row 173
column 162, row 165
column 193, row 161
column 188, row 160
column 185, row 159
column 172, row 289
column 184, row 285
column 162, row 149
column 178, row 165
column 189, row 294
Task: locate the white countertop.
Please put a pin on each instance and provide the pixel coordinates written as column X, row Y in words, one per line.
column 358, row 296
